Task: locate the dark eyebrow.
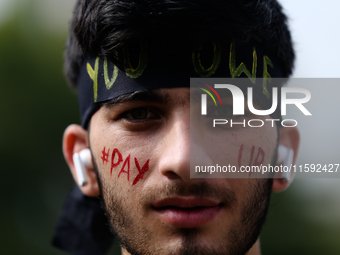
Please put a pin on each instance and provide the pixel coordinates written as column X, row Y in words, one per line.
column 141, row 95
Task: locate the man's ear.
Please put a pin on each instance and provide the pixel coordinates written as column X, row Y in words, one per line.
column 290, row 138
column 76, row 139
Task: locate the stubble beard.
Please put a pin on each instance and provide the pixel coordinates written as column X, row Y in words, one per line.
column 132, row 234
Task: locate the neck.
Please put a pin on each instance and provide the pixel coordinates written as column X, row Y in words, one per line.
column 254, row 250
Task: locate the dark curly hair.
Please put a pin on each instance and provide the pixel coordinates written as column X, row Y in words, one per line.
column 102, row 26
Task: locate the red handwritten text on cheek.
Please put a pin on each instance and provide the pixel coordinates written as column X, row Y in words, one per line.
column 141, row 172
column 258, row 160
column 105, row 156
column 117, row 159
column 120, row 159
column 122, row 170
column 251, row 154
column 261, row 154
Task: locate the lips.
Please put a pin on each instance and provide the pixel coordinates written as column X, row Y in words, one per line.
column 187, row 212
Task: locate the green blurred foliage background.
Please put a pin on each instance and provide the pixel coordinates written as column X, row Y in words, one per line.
column 37, row 105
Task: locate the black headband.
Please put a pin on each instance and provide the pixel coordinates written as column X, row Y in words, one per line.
column 100, row 80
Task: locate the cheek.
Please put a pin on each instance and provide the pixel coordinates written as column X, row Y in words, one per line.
column 258, row 149
column 123, row 159
column 249, row 147
column 248, row 190
column 124, row 164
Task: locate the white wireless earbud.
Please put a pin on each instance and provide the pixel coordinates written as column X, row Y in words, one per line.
column 81, row 160
column 285, row 157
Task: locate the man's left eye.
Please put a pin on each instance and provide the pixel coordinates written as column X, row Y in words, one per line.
column 221, row 112
column 225, row 111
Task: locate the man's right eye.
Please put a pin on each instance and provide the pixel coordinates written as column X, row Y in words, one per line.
column 140, row 114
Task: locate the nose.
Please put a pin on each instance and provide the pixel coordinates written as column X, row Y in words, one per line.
column 174, row 162
column 181, row 149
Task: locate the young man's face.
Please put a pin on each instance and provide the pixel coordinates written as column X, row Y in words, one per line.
column 141, row 149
